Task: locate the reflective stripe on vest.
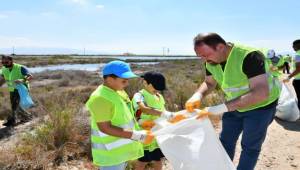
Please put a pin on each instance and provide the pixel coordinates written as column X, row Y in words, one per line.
column 98, row 133
column 112, row 145
column 118, row 143
column 236, row 89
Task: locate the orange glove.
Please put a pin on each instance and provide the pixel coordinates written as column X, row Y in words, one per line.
column 202, row 114
column 149, row 138
column 193, row 102
column 286, row 80
column 177, row 118
column 147, row 124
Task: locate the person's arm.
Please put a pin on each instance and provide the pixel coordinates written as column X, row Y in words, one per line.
column 207, row 86
column 296, row 71
column 149, row 110
column 27, row 76
column 108, row 128
column 259, row 91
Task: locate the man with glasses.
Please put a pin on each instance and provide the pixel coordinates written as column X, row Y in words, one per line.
column 13, row 73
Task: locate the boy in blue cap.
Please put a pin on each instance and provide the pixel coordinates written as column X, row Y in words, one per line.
column 114, row 135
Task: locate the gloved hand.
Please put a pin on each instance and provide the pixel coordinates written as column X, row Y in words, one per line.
column 193, row 102
column 177, row 118
column 18, row 81
column 273, row 68
column 216, row 110
column 146, row 124
column 143, row 136
column 286, row 80
column 167, row 115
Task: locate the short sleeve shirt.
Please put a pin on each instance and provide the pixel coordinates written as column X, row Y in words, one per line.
column 253, row 65
column 101, row 109
column 137, row 97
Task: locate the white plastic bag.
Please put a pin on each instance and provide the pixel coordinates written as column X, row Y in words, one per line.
column 192, row 144
column 287, row 108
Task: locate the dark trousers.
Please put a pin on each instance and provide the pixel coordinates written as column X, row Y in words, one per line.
column 296, row 84
column 16, row 109
column 254, row 125
column 286, row 68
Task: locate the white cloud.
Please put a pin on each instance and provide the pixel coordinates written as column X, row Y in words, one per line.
column 99, row 6
column 79, row 2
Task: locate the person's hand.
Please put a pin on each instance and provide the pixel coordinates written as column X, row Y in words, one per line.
column 143, row 136
column 146, row 124
column 216, row 110
column 177, row 118
column 273, row 68
column 167, row 115
column 18, row 81
column 286, row 80
column 193, row 102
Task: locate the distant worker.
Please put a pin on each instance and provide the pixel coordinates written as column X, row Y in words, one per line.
column 251, row 94
column 13, row 73
column 296, row 70
column 275, row 63
column 287, row 61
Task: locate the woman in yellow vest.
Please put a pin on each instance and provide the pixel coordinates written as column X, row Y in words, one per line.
column 13, row 73
column 251, row 94
column 152, row 105
column 115, row 137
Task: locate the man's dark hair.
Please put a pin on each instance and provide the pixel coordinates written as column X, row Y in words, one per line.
column 7, row 57
column 296, row 44
column 210, row 39
column 109, row 75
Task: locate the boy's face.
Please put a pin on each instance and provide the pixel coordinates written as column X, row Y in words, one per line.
column 149, row 87
column 118, row 83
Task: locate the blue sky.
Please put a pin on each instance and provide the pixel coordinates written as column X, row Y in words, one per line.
column 143, row 27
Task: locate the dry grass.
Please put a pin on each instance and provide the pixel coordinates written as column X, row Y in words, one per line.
column 62, row 133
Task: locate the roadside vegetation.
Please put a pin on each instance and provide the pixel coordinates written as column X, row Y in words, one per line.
column 61, row 132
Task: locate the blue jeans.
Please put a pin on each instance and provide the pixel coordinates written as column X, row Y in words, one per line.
column 121, row 166
column 254, row 125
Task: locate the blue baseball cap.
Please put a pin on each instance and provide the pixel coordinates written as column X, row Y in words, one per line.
column 118, row 68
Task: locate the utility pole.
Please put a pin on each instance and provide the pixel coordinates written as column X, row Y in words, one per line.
column 13, row 50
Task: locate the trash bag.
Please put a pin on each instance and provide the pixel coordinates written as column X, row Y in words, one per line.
column 287, row 108
column 25, row 99
column 192, row 144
